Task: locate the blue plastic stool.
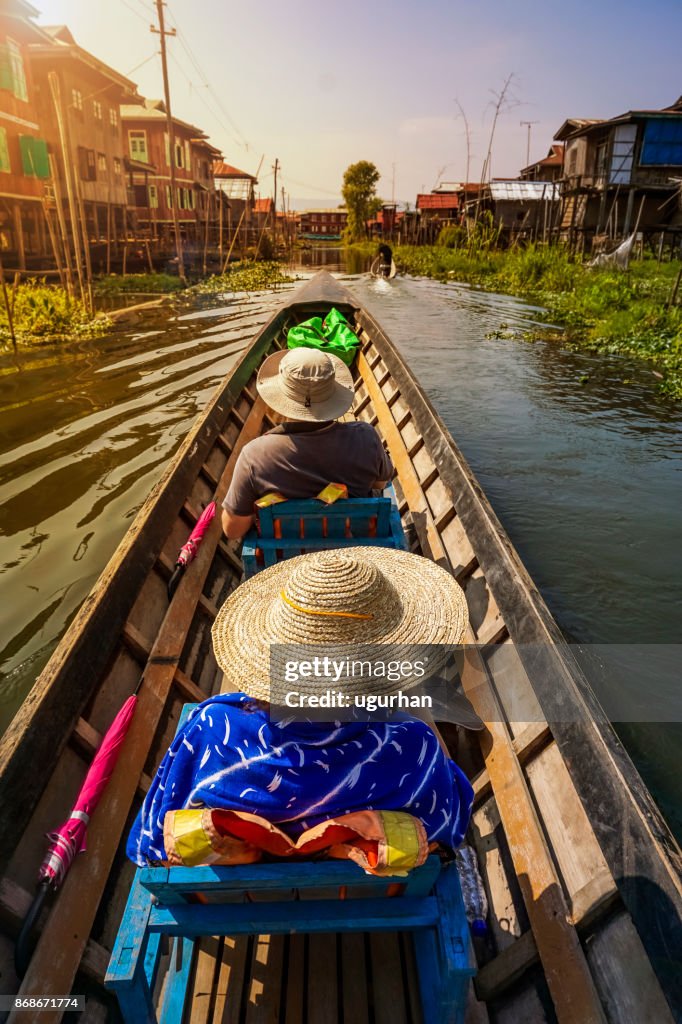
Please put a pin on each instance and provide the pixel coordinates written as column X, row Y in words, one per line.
column 297, row 527
column 162, row 901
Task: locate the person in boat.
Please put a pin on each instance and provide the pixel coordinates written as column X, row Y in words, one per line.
column 234, row 754
column 385, row 254
column 310, row 449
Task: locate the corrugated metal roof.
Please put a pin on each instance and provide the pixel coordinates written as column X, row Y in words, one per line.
column 440, row 201
column 223, row 170
column 522, row 191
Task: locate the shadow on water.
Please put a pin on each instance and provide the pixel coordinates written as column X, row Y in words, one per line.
column 577, row 453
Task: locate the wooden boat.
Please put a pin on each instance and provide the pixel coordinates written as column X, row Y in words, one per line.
column 581, row 872
column 375, row 269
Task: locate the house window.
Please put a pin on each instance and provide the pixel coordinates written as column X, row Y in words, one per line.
column 102, row 163
column 153, row 197
column 5, row 164
column 169, row 197
column 117, row 166
column 34, row 158
column 188, row 160
column 179, row 155
column 77, row 101
column 137, row 142
column 113, row 117
column 86, row 164
column 12, row 74
column 97, row 110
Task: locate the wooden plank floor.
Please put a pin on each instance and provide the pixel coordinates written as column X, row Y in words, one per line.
column 300, row 979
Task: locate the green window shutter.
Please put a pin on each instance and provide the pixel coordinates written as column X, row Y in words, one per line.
column 40, row 158
column 27, row 158
column 6, row 76
column 5, row 164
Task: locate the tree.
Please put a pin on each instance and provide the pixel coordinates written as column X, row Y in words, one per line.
column 359, row 194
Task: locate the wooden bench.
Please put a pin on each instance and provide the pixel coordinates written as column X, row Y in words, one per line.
column 297, row 527
column 286, row 898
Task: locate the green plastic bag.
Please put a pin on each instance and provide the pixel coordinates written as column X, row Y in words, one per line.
column 333, row 334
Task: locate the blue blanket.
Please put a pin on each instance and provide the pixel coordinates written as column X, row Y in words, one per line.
column 229, row 754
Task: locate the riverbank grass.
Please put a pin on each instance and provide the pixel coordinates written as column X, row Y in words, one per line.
column 598, row 308
column 43, row 314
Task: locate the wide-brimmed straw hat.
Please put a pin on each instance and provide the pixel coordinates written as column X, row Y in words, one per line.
column 336, row 602
column 306, row 384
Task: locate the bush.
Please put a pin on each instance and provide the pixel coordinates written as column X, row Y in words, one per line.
column 45, row 313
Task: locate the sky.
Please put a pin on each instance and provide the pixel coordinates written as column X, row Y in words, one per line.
column 321, row 85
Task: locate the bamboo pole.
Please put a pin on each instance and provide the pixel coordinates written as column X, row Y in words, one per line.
column 61, row 223
column 86, row 249
column 206, row 227
column 108, row 265
column 53, row 243
column 221, row 204
column 234, row 239
column 53, row 79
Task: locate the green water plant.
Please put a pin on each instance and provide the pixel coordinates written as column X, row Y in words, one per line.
column 598, row 308
column 121, row 284
column 45, row 313
column 246, row 276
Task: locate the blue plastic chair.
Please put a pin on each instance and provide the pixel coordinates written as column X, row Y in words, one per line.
column 162, row 901
column 297, row 527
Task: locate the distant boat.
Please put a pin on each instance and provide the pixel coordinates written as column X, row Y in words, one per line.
column 378, row 269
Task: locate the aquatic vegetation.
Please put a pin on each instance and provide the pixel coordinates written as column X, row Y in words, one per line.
column 246, row 276
column 598, row 308
column 118, row 284
column 44, row 313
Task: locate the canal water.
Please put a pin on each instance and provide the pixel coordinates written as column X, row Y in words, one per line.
column 579, row 456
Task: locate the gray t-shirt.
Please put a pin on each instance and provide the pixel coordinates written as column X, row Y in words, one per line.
column 299, row 459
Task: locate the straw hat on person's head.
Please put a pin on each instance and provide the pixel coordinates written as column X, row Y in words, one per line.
column 306, row 384
column 330, row 600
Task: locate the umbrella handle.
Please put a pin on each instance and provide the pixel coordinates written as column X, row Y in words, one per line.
column 22, row 950
column 175, row 579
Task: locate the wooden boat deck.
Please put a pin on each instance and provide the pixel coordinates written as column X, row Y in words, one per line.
column 581, row 873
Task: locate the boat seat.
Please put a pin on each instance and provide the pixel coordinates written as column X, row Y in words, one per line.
column 299, row 526
column 286, row 898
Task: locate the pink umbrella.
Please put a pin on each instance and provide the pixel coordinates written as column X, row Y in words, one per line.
column 69, row 839
column 189, row 550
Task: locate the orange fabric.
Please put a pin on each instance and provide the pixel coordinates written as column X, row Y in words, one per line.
column 238, row 837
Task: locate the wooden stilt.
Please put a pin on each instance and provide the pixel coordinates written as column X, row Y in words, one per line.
column 19, row 232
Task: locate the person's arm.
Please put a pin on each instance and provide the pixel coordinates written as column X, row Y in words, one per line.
column 384, row 466
column 237, row 515
column 234, row 526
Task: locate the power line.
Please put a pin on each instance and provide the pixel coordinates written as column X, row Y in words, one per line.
column 197, row 66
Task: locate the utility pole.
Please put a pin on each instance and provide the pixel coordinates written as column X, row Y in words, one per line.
column 162, row 32
column 528, row 125
column 274, row 207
